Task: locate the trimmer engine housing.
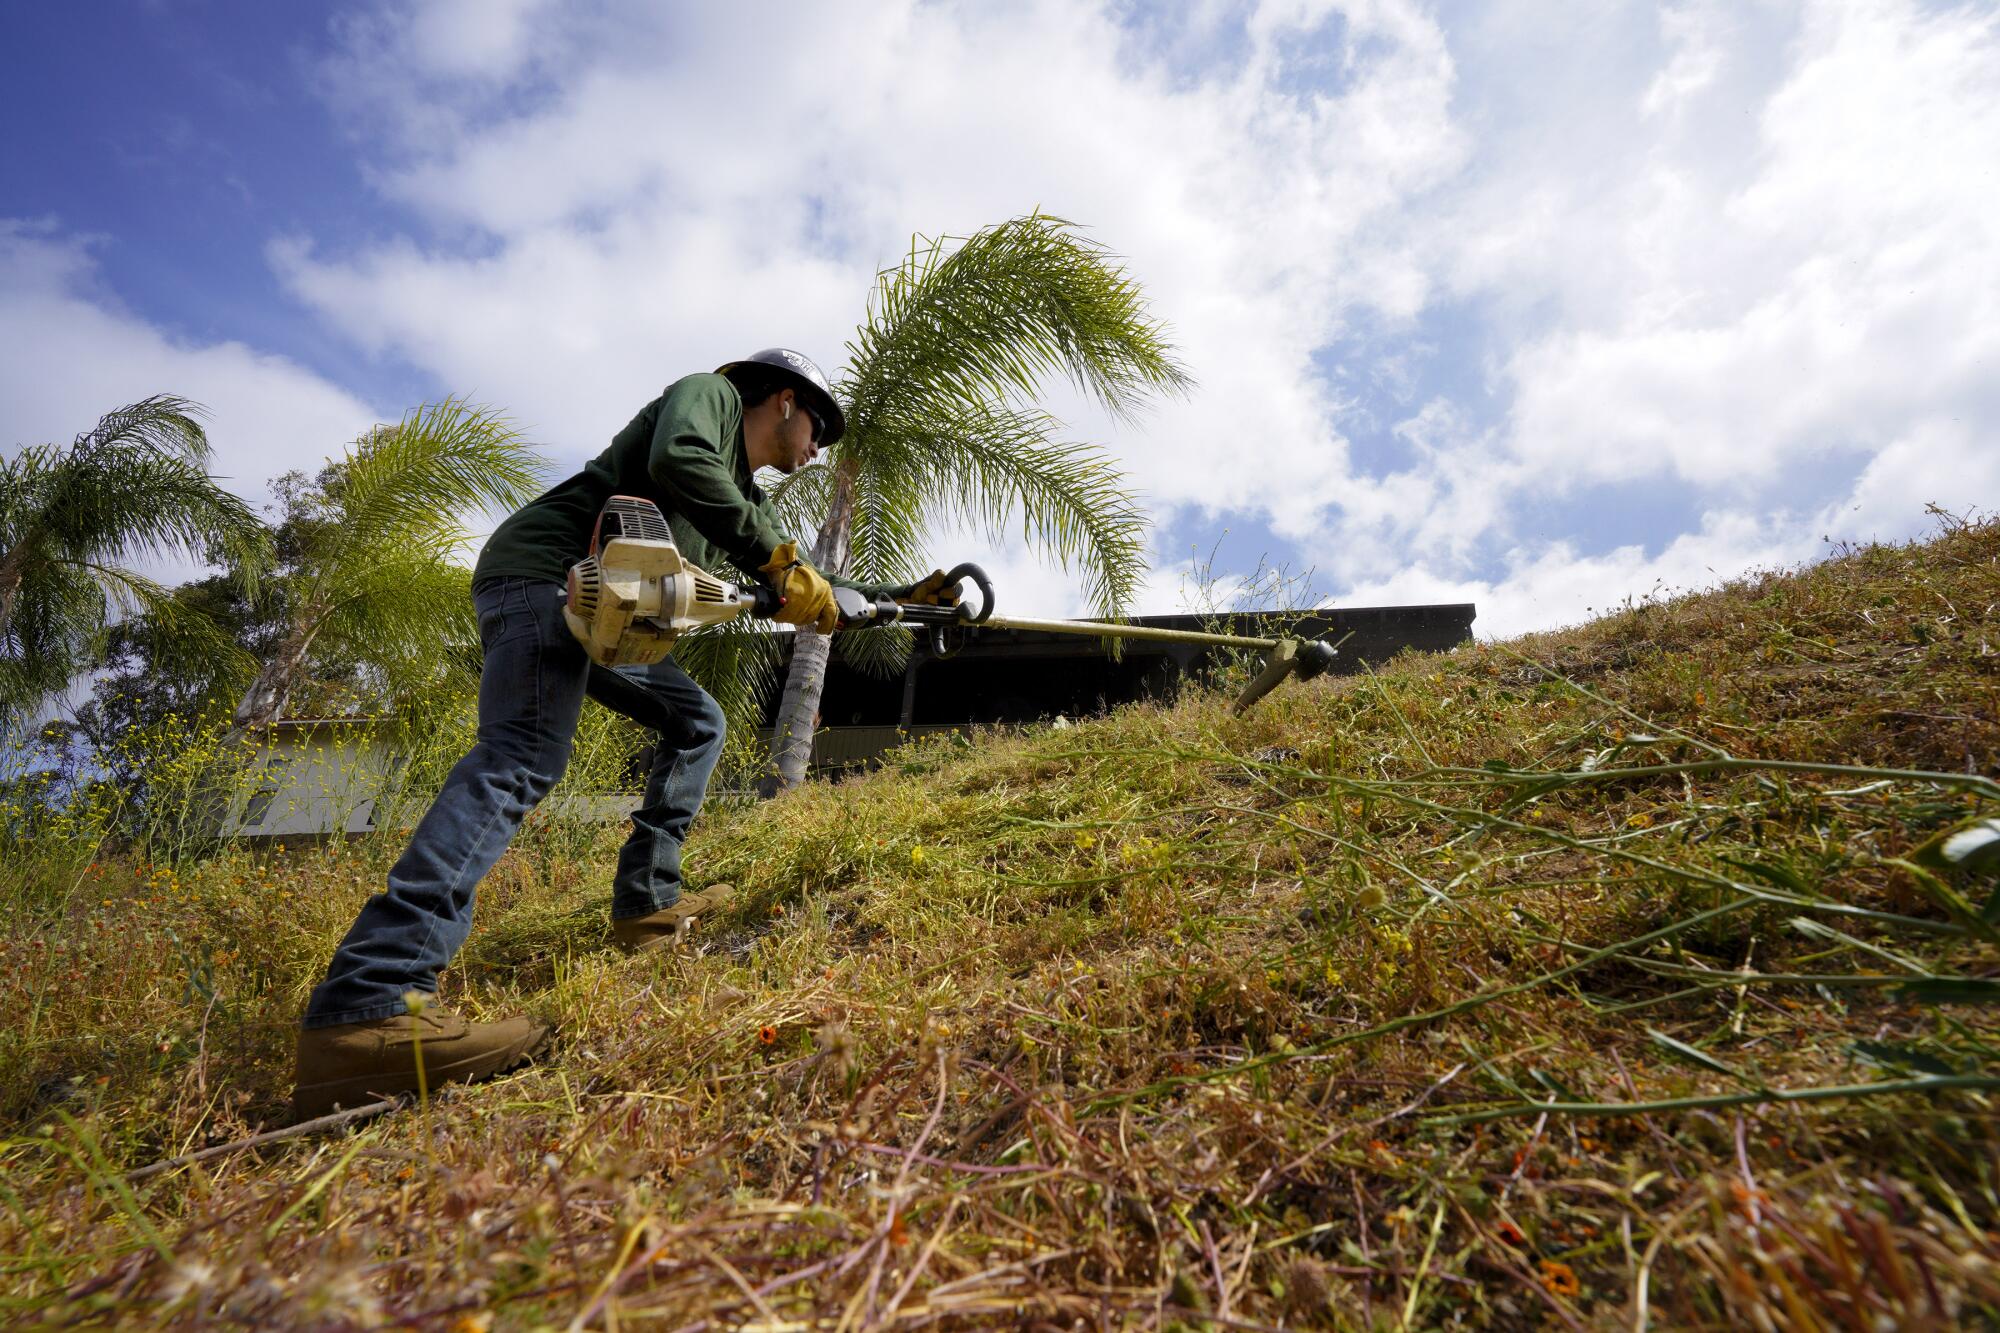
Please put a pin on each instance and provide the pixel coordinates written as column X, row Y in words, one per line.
column 633, row 595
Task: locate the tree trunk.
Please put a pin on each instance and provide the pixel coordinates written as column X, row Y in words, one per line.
column 12, row 568
column 805, row 681
column 267, row 694
column 791, row 742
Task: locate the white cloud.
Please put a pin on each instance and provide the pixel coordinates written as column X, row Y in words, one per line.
column 1717, row 242
column 74, row 354
column 1803, row 318
column 1936, row 462
column 474, row 48
column 653, row 215
column 1758, row 258
column 1744, row 250
column 1554, row 584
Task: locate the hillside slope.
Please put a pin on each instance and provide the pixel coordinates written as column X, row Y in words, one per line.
column 1334, row 1016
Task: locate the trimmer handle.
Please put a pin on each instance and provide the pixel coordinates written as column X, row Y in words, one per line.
column 942, row 620
column 857, row 610
column 968, row 571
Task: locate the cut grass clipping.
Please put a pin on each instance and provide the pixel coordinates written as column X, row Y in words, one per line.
column 1641, row 975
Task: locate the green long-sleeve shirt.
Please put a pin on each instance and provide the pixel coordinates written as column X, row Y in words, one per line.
column 684, row 452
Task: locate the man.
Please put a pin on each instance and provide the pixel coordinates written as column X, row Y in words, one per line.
column 694, row 452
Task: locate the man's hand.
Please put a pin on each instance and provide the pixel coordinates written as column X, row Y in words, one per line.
column 930, row 590
column 807, row 598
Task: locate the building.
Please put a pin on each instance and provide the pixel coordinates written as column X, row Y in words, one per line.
column 1014, row 677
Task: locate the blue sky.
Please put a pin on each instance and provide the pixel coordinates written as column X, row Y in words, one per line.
column 179, row 138
column 1515, row 303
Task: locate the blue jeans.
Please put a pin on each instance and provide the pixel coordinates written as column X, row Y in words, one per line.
column 531, row 693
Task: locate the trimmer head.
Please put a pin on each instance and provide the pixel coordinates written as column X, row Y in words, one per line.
column 1287, row 658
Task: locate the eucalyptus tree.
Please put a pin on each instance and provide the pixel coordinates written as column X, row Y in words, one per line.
column 942, row 429
column 73, row 517
column 371, row 562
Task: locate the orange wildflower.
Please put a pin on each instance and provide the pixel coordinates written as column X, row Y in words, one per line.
column 767, row 1035
column 1560, row 1278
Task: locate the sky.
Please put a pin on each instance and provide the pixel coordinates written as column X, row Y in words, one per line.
column 1540, row 306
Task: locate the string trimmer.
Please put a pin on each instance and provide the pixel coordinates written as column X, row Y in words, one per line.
column 634, row 594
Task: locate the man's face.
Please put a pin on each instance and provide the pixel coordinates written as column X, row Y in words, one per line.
column 798, row 435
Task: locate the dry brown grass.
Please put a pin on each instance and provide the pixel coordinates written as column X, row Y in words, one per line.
column 1335, row 1016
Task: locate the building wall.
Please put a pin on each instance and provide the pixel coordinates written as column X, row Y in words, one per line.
column 310, row 781
column 1015, row 677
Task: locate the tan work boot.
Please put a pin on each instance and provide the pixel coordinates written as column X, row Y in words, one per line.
column 352, row 1064
column 671, row 925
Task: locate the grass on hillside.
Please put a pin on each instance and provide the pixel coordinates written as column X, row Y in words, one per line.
column 1609, row 978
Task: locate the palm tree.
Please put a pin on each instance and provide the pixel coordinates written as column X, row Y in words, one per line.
column 939, row 383
column 71, row 516
column 370, row 573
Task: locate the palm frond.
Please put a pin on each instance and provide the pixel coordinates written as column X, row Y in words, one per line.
column 991, row 468
column 409, row 485
column 994, row 315
column 372, row 545
column 137, row 481
column 881, row 652
column 164, row 424
column 119, row 505
column 23, row 478
column 134, row 484
column 65, row 610
column 405, row 613
column 183, row 636
column 736, row 663
column 888, row 538
column 800, row 501
column 58, row 618
column 126, row 592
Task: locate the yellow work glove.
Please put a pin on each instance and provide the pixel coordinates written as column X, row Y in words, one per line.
column 806, row 597
column 930, row 590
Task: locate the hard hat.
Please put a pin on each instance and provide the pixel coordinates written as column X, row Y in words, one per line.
column 799, row 371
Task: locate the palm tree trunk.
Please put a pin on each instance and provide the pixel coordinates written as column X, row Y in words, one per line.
column 12, row 566
column 805, row 680
column 266, row 697
column 791, row 742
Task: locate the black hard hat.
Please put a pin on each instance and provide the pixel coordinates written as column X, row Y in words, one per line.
column 803, row 375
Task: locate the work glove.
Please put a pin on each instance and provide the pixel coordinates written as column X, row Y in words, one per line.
column 805, row 597
column 930, row 590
